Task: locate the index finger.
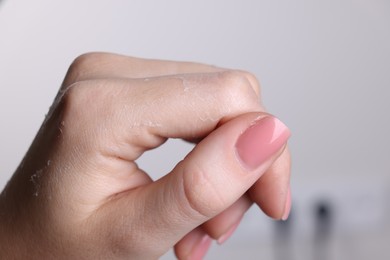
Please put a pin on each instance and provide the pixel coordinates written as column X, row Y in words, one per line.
column 99, row 65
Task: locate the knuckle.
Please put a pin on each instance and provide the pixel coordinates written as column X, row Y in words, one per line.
column 244, row 79
column 81, row 121
column 73, row 94
column 88, row 99
column 253, row 81
column 234, row 78
column 81, row 66
column 238, row 90
column 85, row 60
column 74, row 100
column 200, row 195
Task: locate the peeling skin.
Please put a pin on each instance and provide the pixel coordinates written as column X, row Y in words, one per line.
column 61, row 126
column 56, row 102
column 191, row 83
column 148, row 124
column 35, row 178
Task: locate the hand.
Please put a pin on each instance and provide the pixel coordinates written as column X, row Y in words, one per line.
column 78, row 194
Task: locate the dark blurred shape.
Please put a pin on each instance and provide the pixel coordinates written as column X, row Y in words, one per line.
column 323, row 214
column 283, row 239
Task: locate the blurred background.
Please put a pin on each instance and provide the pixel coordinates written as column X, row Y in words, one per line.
column 324, row 67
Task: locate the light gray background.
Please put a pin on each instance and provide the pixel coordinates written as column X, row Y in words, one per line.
column 324, row 67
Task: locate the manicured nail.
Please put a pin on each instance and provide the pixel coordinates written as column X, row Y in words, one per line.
column 287, row 207
column 200, row 249
column 261, row 140
column 228, row 234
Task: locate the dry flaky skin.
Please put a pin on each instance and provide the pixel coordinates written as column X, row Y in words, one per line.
column 79, row 194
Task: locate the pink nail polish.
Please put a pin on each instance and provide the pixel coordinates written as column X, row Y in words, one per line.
column 287, row 207
column 228, row 234
column 200, row 249
column 261, row 140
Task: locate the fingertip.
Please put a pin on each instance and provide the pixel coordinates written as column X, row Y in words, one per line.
column 262, row 140
column 222, row 239
column 287, row 207
column 220, row 225
column 194, row 245
column 270, row 192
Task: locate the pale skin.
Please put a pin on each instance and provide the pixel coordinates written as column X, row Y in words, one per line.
column 78, row 194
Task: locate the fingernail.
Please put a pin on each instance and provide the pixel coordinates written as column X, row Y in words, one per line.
column 287, row 207
column 261, row 140
column 222, row 239
column 200, row 249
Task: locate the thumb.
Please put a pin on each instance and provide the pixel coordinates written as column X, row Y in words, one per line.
column 219, row 170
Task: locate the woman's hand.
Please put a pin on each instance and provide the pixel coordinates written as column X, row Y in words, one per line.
column 78, row 194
